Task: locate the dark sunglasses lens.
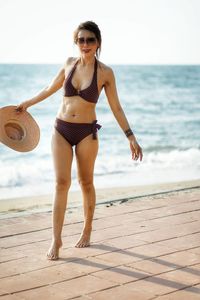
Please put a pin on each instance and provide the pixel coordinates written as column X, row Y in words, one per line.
column 81, row 40
column 88, row 41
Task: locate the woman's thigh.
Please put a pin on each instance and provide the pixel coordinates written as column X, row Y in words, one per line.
column 62, row 157
column 86, row 153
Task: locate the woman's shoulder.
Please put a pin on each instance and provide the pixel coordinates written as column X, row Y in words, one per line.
column 103, row 66
column 70, row 61
column 107, row 70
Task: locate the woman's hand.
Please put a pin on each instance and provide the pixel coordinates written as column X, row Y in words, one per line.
column 22, row 106
column 135, row 149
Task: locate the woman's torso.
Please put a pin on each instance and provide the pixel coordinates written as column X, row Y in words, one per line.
column 75, row 108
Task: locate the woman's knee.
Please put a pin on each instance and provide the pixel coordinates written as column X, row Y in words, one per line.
column 63, row 184
column 86, row 184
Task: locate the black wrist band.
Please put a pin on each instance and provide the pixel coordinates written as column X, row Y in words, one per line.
column 128, row 132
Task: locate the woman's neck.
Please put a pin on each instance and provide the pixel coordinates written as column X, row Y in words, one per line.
column 87, row 60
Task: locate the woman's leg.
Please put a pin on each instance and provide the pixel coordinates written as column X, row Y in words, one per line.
column 62, row 157
column 86, row 152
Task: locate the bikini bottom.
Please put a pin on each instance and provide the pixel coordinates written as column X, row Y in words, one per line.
column 74, row 133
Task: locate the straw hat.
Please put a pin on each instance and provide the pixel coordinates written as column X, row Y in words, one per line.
column 18, row 130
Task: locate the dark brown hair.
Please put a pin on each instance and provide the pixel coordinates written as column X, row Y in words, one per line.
column 93, row 27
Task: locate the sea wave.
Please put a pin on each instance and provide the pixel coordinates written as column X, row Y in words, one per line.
column 156, row 166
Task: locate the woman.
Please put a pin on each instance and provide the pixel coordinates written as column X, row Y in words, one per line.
column 82, row 80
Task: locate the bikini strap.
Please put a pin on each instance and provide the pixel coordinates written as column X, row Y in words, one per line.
column 95, row 66
column 73, row 69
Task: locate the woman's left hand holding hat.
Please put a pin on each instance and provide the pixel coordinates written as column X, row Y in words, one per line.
column 22, row 106
column 18, row 129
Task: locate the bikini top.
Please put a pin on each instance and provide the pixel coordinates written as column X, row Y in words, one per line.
column 89, row 94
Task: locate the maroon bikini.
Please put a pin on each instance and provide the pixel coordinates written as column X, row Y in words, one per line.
column 76, row 132
column 89, row 94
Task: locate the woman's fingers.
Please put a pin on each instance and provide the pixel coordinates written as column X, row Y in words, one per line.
column 136, row 152
column 21, row 107
column 139, row 153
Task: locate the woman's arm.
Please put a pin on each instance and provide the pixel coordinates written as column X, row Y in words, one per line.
column 53, row 87
column 113, row 100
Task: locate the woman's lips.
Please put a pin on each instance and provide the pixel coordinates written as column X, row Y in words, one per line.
column 86, row 50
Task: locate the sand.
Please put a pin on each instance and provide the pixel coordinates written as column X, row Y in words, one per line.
column 30, row 204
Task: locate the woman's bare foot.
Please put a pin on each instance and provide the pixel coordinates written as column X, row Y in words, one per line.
column 84, row 240
column 53, row 252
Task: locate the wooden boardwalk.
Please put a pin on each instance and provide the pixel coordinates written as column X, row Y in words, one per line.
column 146, row 248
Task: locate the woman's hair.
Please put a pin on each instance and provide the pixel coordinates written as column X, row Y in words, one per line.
column 93, row 27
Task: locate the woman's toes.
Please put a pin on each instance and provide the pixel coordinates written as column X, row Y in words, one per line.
column 53, row 252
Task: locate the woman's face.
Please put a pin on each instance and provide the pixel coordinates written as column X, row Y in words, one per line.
column 87, row 43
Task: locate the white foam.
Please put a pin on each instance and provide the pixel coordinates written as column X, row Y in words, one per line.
column 23, row 177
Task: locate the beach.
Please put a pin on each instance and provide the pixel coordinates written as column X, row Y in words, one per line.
column 145, row 239
column 22, row 205
column 145, row 245
column 161, row 104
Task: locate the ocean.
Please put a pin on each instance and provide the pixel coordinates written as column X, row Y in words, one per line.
column 161, row 102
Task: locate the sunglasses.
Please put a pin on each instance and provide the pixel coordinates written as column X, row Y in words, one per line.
column 87, row 41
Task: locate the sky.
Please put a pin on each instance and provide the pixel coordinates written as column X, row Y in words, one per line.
column 133, row 31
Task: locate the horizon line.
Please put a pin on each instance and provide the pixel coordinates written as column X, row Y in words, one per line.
column 112, row 63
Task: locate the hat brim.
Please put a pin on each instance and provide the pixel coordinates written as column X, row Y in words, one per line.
column 18, row 130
